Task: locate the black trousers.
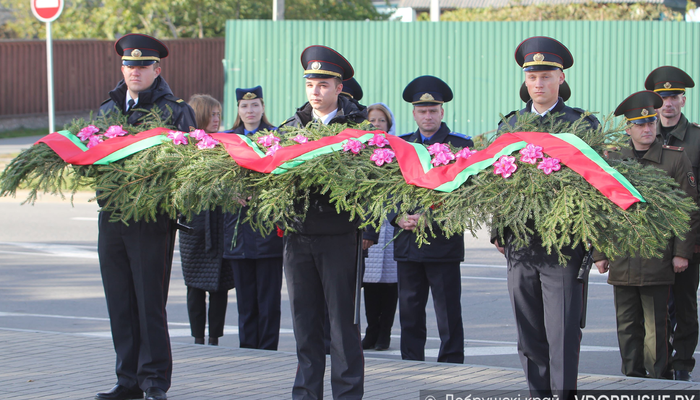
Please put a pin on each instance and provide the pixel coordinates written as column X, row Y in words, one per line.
column 197, row 311
column 135, row 262
column 444, row 280
column 380, row 309
column 258, row 295
column 321, row 270
column 685, row 313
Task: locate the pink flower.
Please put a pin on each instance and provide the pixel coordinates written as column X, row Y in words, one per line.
column 505, row 166
column 548, row 165
column 88, row 131
column 378, row 140
column 382, row 156
column 442, row 158
column 465, row 153
column 353, row 145
column 94, row 141
column 114, row 131
column 530, row 153
column 268, row 140
column 177, row 137
column 273, row 149
column 438, row 148
column 301, row 139
column 198, row 134
column 207, row 142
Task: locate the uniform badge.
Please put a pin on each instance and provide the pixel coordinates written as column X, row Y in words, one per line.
column 316, row 65
column 427, row 97
column 645, row 112
column 136, row 53
column 249, row 96
column 667, row 85
column 691, row 179
column 539, row 57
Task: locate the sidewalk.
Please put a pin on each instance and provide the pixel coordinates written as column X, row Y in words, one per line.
column 49, row 365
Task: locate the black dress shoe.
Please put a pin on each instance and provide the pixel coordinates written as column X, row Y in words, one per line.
column 381, row 346
column 213, row 341
column 154, row 393
column 119, row 392
column 683, row 376
column 199, row 340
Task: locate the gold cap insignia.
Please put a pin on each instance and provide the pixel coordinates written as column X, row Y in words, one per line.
column 249, row 96
column 645, row 112
column 667, row 85
column 539, row 57
column 427, row 97
column 316, row 65
column 136, row 53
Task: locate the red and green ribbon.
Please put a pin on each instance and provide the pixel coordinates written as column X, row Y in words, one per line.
column 413, row 159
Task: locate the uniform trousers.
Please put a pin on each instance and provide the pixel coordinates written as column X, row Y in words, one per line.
column 380, row 309
column 547, row 301
column 321, row 270
column 444, row 280
column 641, row 329
column 135, row 262
column 685, row 306
column 197, row 311
column 259, row 297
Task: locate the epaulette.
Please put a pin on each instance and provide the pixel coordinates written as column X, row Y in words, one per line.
column 507, row 117
column 592, row 119
column 407, row 134
column 674, row 148
column 463, row 136
column 174, row 98
column 696, row 124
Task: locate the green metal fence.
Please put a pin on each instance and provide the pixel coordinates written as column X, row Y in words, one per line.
column 611, row 61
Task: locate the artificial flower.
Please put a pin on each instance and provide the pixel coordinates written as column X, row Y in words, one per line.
column 114, row 131
column 382, row 156
column 94, row 140
column 438, row 148
column 530, row 153
column 353, row 145
column 505, row 166
column 88, row 131
column 442, row 158
column 177, row 137
column 268, row 140
column 301, row 139
column 548, row 165
column 198, row 134
column 465, row 153
column 378, row 140
column 207, row 142
column 273, row 149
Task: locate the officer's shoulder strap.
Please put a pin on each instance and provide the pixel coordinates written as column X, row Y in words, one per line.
column 461, row 135
column 406, row 134
column 674, row 148
column 593, row 120
column 173, row 98
column 696, row 125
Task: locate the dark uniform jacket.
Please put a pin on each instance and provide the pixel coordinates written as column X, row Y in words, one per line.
column 440, row 249
column 249, row 244
column 159, row 94
column 321, row 217
column 636, row 271
column 685, row 134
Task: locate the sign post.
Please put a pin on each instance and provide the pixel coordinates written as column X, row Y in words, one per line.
column 47, row 11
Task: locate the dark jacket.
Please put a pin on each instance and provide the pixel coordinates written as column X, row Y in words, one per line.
column 240, row 130
column 440, row 249
column 321, row 217
column 249, row 244
column 636, row 271
column 685, row 134
column 202, row 253
column 159, row 94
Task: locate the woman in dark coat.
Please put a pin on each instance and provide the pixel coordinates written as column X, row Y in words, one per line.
column 256, row 260
column 202, row 250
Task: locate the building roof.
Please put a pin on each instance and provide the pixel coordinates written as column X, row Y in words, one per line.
column 454, row 4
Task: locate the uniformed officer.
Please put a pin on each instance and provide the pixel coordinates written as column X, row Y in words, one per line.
column 546, row 296
column 320, row 253
column 642, row 285
column 136, row 259
column 433, row 266
column 674, row 129
column 564, row 93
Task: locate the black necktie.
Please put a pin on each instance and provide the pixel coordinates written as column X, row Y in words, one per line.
column 131, row 104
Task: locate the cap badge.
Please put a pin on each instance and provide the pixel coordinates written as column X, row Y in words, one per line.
column 645, row 112
column 539, row 57
column 427, row 97
column 316, row 65
column 136, row 53
column 667, row 85
column 249, row 96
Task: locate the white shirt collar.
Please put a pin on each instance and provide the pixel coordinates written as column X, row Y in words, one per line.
column 532, row 109
column 326, row 118
column 128, row 97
